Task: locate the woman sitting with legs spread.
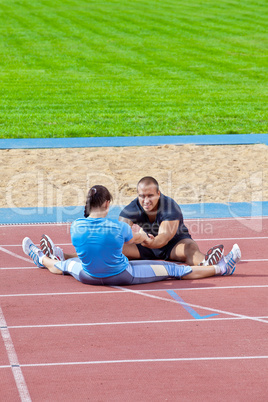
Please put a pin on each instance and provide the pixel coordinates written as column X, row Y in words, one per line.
column 99, row 260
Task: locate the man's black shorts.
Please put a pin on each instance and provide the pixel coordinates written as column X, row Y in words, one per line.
column 162, row 253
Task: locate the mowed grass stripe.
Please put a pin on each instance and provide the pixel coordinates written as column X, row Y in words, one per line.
column 75, row 68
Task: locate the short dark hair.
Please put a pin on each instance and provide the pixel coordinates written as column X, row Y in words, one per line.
column 148, row 180
column 96, row 196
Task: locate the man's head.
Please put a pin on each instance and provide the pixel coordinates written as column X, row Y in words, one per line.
column 148, row 194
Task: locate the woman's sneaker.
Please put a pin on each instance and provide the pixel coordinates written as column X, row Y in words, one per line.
column 50, row 250
column 32, row 251
column 214, row 255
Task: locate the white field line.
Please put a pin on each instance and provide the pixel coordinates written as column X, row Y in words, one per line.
column 13, row 360
column 196, row 306
column 99, row 292
column 97, row 324
column 179, row 359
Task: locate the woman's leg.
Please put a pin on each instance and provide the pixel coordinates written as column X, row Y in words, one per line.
column 71, row 266
column 145, row 271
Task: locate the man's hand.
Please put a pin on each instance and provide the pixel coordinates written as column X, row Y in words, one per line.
column 149, row 242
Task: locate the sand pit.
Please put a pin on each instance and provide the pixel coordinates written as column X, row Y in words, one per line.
column 188, row 173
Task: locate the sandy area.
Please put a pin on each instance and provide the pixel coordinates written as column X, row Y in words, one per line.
column 189, row 174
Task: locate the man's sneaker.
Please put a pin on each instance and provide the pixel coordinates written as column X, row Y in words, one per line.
column 214, row 255
column 228, row 263
column 32, row 251
column 234, row 256
column 50, row 250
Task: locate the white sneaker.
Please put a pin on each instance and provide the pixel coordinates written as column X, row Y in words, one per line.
column 32, row 251
column 50, row 250
column 228, row 263
column 234, row 255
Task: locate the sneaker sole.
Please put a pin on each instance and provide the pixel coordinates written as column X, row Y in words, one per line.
column 47, row 248
column 214, row 254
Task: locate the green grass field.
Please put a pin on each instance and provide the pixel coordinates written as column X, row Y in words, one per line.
column 118, row 68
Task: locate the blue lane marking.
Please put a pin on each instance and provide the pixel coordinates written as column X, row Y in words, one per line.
column 9, row 216
column 154, row 140
column 188, row 308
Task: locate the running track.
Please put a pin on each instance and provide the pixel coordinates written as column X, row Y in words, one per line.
column 202, row 340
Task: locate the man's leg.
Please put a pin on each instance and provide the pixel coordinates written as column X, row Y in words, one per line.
column 50, row 265
column 52, row 251
column 201, row 272
column 131, row 251
column 153, row 271
column 187, row 251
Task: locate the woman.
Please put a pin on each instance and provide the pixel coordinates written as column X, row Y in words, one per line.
column 99, row 241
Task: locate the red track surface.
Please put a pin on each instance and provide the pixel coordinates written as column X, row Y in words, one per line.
column 65, row 341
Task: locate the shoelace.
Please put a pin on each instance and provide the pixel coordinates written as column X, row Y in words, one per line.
column 34, row 257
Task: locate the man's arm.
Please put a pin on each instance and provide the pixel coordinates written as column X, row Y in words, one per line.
column 166, row 232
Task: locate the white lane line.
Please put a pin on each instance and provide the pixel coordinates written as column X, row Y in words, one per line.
column 232, row 238
column 192, row 305
column 60, row 294
column 96, row 324
column 19, row 245
column 21, row 268
column 13, row 360
column 238, row 218
column 14, row 254
column 12, row 225
column 100, row 292
column 179, row 359
column 195, row 239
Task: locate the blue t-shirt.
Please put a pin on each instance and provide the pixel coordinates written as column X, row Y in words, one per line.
column 98, row 243
column 168, row 210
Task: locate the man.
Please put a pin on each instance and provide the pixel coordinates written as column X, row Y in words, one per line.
column 168, row 237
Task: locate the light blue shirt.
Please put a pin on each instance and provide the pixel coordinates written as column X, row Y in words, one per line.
column 98, row 243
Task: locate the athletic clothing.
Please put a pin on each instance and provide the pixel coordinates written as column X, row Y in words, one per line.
column 137, row 272
column 162, row 253
column 168, row 210
column 98, row 243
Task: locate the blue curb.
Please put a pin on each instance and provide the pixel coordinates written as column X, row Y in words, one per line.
column 88, row 142
column 12, row 216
